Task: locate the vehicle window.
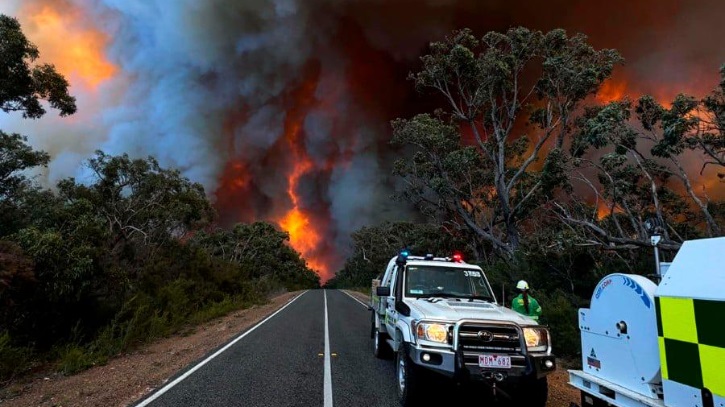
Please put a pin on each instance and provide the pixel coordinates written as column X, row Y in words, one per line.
column 430, row 281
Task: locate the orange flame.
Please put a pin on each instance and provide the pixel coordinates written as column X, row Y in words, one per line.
column 611, row 90
column 603, row 210
column 64, row 41
column 304, row 235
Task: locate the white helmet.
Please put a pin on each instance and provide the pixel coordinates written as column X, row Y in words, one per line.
column 522, row 285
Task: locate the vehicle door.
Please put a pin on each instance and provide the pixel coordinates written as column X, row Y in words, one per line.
column 391, row 314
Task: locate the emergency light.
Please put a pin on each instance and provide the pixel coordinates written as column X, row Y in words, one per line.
column 402, row 257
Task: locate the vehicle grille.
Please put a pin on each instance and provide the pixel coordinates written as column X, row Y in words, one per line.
column 493, row 338
column 504, row 339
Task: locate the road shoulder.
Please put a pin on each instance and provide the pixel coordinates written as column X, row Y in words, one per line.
column 365, row 299
column 129, row 377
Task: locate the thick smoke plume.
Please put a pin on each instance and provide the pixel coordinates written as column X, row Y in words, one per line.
column 281, row 108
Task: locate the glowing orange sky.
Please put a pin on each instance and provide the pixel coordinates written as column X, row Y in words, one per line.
column 77, row 51
column 611, row 90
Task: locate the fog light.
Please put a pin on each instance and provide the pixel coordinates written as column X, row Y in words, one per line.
column 431, row 358
column 549, row 364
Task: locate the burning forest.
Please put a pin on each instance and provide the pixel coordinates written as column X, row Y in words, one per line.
column 282, row 109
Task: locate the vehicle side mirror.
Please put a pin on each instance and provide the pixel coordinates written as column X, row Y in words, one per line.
column 383, row 291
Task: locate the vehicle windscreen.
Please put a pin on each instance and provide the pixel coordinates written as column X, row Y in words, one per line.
column 431, row 281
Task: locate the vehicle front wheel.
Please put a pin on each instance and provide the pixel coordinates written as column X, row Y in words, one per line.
column 409, row 378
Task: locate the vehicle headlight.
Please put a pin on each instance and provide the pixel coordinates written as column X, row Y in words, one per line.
column 537, row 339
column 432, row 332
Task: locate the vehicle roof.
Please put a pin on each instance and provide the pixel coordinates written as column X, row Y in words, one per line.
column 441, row 263
column 696, row 271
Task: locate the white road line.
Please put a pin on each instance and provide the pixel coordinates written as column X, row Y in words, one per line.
column 350, row 295
column 195, row 368
column 328, row 374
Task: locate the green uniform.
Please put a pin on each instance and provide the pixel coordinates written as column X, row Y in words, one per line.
column 518, row 305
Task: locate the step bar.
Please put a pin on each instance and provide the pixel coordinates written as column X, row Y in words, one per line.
column 603, row 390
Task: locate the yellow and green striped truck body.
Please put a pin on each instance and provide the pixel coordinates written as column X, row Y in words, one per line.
column 690, row 308
column 691, row 339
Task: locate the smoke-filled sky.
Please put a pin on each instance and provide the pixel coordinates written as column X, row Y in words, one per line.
column 281, row 108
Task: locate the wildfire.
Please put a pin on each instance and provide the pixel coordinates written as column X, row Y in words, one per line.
column 611, row 90
column 275, row 185
column 305, row 236
column 64, row 41
column 603, row 210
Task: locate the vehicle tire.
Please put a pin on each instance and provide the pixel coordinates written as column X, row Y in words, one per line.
column 381, row 349
column 409, row 378
column 372, row 325
column 534, row 393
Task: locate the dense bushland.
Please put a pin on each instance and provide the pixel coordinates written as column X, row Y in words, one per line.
column 94, row 269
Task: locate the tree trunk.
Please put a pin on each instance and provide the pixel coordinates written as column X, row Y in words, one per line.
column 655, row 196
column 512, row 235
column 712, row 226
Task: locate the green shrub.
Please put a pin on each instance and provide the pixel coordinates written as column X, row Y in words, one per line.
column 13, row 359
column 217, row 309
column 108, row 343
column 177, row 301
column 560, row 313
column 73, row 359
column 146, row 322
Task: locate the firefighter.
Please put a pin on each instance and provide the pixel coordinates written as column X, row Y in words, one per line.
column 525, row 303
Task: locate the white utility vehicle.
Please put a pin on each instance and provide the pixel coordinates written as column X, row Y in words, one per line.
column 441, row 315
column 648, row 344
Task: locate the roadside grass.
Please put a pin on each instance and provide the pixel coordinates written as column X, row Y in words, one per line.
column 362, row 290
column 14, row 360
column 148, row 325
column 141, row 321
column 74, row 359
column 220, row 309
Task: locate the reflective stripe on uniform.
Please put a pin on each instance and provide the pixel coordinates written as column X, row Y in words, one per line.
column 691, row 342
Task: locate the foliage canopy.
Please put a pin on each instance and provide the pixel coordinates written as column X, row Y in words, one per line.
column 23, row 85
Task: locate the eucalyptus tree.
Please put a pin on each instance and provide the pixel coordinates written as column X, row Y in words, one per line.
column 710, row 137
column 24, row 84
column 492, row 151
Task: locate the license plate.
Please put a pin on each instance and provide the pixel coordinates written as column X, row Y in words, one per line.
column 494, row 361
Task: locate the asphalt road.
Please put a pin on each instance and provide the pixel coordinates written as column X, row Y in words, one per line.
column 282, row 362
